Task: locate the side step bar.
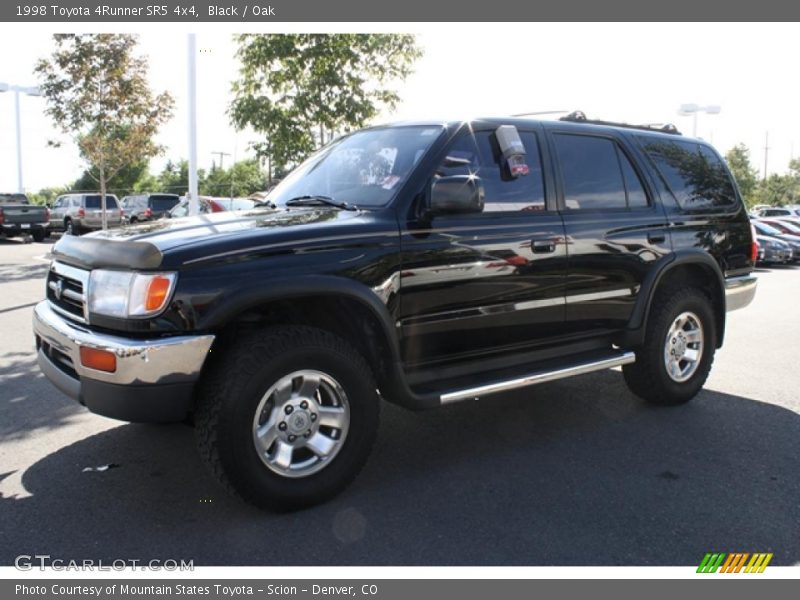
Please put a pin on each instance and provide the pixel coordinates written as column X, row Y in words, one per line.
column 616, row 360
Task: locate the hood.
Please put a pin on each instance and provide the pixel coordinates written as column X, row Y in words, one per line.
column 144, row 246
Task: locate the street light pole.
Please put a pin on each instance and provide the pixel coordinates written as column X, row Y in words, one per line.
column 194, row 200
column 29, row 91
column 692, row 109
column 19, row 142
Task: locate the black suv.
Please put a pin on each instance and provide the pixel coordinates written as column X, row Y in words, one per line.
column 424, row 263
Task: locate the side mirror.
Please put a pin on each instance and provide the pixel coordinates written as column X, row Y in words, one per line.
column 457, row 194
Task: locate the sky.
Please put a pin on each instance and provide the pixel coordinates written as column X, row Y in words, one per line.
column 635, row 72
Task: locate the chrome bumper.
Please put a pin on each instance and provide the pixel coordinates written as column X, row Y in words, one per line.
column 163, row 361
column 739, row 292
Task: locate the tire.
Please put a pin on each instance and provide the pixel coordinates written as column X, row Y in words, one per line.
column 664, row 372
column 69, row 228
column 39, row 235
column 245, row 390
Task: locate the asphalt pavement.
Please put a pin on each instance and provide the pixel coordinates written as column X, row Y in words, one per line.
column 576, row 472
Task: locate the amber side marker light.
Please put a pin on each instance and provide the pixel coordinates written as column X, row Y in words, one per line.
column 100, row 360
column 157, row 293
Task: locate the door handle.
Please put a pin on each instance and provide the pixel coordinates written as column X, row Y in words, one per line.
column 543, row 247
column 656, row 238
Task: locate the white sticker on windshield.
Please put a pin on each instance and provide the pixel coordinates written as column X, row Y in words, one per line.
column 426, row 132
column 390, row 182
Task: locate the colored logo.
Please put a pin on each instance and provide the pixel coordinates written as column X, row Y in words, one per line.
column 734, row 562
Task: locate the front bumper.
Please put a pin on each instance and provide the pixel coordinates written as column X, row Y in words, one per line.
column 739, row 292
column 153, row 381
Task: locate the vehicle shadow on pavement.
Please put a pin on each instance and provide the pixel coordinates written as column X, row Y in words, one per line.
column 577, row 472
column 28, row 401
column 14, row 273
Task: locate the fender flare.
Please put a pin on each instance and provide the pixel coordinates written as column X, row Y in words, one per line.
column 641, row 310
column 298, row 287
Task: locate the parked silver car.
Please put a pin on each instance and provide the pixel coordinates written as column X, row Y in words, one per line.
column 78, row 213
column 146, row 207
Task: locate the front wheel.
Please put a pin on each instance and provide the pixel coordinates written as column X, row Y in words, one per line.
column 674, row 362
column 287, row 416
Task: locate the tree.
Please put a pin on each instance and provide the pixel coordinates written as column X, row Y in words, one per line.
column 174, row 178
column 97, row 93
column 300, row 90
column 746, row 175
column 241, row 179
column 122, row 182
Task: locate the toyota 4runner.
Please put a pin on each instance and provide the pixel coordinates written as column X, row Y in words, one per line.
column 422, row 263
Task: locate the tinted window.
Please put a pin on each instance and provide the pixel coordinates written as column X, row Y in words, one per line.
column 162, row 203
column 694, row 173
column 591, row 171
column 478, row 154
column 637, row 197
column 93, row 202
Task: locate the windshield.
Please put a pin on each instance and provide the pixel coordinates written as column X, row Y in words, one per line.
column 365, row 169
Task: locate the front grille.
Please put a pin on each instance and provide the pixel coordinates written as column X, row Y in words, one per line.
column 66, row 290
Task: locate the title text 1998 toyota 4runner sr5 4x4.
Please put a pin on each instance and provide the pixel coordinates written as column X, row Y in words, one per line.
column 424, row 263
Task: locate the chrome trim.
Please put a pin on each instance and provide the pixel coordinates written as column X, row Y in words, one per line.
column 67, row 293
column 539, row 377
column 165, row 360
column 64, row 270
column 575, row 298
column 740, row 291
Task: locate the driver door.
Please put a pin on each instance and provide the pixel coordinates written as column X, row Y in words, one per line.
column 491, row 281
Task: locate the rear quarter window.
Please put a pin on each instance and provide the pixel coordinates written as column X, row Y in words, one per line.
column 693, row 172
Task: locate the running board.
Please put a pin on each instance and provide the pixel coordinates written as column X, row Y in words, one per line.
column 618, row 359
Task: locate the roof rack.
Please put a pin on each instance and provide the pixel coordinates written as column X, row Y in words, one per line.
column 580, row 117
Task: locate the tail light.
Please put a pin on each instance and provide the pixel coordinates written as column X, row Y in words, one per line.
column 148, row 212
column 2, row 216
column 121, row 212
column 753, row 245
column 81, row 212
column 47, row 214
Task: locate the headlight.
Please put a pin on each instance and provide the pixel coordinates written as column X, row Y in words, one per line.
column 127, row 294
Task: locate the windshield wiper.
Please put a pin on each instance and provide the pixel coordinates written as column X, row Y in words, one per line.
column 312, row 199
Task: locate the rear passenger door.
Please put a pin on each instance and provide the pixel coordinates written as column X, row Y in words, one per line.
column 615, row 227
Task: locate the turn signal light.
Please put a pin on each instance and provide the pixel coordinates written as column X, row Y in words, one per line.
column 157, row 293
column 100, row 360
column 753, row 245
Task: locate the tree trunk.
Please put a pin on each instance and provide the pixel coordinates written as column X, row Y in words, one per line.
column 102, row 174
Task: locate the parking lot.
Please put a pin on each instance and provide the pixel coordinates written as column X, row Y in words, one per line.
column 577, row 472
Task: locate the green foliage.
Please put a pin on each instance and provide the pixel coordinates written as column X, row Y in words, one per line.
column 300, row 90
column 97, row 93
column 746, row 175
column 47, row 195
column 241, row 179
column 122, row 182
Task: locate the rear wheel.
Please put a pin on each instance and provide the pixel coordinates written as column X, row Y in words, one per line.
column 287, row 417
column 674, row 362
column 39, row 235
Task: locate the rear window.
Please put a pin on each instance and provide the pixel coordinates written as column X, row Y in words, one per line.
column 13, row 199
column 694, row 173
column 93, row 202
column 162, row 203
